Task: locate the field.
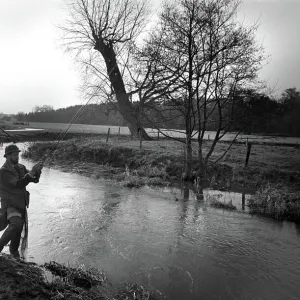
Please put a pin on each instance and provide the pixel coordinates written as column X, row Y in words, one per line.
column 114, row 130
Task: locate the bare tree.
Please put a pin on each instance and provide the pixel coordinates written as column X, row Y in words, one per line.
column 101, row 32
column 210, row 56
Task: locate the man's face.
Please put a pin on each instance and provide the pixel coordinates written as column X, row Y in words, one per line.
column 14, row 157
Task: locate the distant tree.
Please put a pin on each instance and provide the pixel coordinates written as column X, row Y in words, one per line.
column 42, row 108
column 96, row 114
column 21, row 116
column 290, row 100
column 258, row 109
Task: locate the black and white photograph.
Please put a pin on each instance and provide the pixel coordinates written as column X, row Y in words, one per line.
column 150, row 149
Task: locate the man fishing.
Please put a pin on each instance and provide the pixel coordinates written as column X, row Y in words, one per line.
column 14, row 178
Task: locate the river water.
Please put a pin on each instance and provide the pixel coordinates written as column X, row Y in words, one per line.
column 185, row 249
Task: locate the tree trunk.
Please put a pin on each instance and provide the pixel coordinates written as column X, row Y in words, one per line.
column 201, row 165
column 131, row 117
column 187, row 175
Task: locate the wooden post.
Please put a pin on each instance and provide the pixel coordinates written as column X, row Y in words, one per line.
column 141, row 139
column 107, row 137
column 209, row 137
column 119, row 132
column 158, row 134
column 249, row 145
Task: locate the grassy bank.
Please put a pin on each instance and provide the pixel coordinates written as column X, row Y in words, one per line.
column 277, row 201
column 21, row 280
column 273, row 171
column 163, row 161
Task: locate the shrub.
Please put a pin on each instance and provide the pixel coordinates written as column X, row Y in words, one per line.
column 278, row 201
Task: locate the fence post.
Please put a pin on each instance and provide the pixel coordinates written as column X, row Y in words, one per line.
column 107, row 137
column 158, row 134
column 119, row 132
column 249, row 145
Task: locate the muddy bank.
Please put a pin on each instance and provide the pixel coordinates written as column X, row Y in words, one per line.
column 27, row 280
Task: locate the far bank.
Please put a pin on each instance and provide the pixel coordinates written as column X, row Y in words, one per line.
column 162, row 162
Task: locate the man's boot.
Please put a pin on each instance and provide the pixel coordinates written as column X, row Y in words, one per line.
column 13, row 234
column 15, row 254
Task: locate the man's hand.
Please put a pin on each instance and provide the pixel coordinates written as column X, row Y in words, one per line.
column 36, row 169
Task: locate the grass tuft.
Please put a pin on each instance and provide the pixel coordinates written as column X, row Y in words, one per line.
column 277, row 201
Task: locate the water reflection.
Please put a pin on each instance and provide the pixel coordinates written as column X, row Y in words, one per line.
column 110, row 207
column 243, row 200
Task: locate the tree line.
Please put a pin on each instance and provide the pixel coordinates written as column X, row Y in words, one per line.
column 93, row 114
column 265, row 115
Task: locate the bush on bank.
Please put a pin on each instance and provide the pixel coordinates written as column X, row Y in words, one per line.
column 144, row 162
column 150, row 163
column 278, row 201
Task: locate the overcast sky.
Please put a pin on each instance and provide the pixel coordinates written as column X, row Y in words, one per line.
column 35, row 71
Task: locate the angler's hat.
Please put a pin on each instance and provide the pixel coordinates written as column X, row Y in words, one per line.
column 11, row 148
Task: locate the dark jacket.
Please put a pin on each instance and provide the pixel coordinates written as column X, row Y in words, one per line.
column 13, row 182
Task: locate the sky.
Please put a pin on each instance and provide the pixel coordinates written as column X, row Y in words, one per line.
column 34, row 69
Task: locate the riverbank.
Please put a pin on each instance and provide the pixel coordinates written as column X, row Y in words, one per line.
column 27, row 280
column 163, row 161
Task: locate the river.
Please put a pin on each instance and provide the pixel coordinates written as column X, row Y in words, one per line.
column 185, row 249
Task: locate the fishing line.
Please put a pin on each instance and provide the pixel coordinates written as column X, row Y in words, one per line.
column 63, row 134
column 10, row 136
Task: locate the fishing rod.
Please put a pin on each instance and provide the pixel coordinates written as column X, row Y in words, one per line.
column 10, row 136
column 63, row 134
